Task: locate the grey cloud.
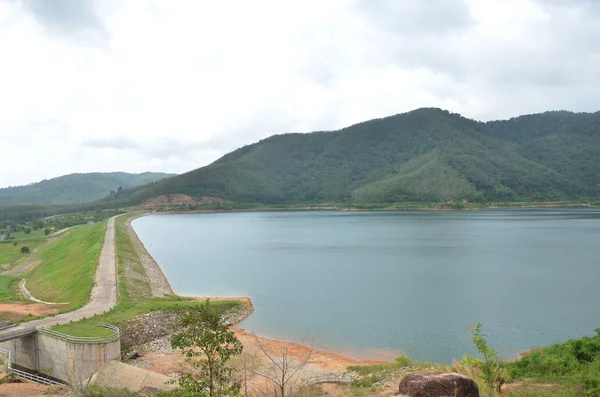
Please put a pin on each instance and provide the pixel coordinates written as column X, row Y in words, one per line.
column 416, row 34
column 76, row 19
column 39, row 130
column 161, row 148
column 120, row 143
column 417, row 17
column 559, row 51
column 589, row 5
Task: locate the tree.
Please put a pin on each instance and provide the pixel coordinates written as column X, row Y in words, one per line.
column 120, row 190
column 27, row 230
column 284, row 370
column 491, row 371
column 46, row 231
column 208, row 343
column 24, row 249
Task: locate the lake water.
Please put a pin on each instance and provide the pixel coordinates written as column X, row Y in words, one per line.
column 384, row 283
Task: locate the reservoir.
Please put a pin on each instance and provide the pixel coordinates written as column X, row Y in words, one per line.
column 380, row 284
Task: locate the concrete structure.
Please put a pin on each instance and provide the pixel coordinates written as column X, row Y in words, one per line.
column 69, row 361
column 118, row 375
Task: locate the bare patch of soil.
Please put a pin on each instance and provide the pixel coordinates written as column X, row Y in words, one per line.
column 17, row 387
column 19, row 310
column 169, row 362
column 179, row 200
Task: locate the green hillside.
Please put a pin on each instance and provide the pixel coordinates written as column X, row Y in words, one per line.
column 75, row 188
column 427, row 155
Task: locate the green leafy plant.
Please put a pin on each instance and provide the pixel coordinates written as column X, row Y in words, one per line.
column 489, row 367
column 403, row 361
column 207, row 342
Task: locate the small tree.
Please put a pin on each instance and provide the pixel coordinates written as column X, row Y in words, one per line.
column 27, row 230
column 46, row 231
column 24, row 249
column 37, row 224
column 208, row 343
column 491, row 371
column 283, row 370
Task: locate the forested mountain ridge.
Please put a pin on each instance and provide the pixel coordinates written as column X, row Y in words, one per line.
column 426, row 155
column 75, row 188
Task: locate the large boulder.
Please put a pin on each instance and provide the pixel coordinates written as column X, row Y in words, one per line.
column 438, row 384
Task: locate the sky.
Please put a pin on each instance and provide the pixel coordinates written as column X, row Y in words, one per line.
column 172, row 85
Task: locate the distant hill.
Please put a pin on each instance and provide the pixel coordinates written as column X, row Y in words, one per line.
column 426, row 155
column 75, row 188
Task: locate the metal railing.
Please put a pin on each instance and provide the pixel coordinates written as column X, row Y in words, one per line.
column 26, row 375
column 85, row 339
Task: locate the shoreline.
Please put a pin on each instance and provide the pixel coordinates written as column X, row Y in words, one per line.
column 327, row 355
column 540, row 205
column 139, row 243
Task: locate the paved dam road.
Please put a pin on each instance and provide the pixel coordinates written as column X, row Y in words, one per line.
column 104, row 292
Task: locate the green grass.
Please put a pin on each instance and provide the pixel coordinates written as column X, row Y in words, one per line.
column 10, row 253
column 542, row 390
column 33, row 234
column 133, row 286
column 68, row 266
column 8, row 289
column 134, row 296
column 574, row 365
column 125, row 312
column 401, row 362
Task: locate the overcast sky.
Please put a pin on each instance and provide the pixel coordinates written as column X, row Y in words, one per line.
column 171, row 85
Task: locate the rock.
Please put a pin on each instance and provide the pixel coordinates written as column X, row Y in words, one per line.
column 148, row 391
column 438, row 384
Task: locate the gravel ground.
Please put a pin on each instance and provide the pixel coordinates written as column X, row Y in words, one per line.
column 153, row 275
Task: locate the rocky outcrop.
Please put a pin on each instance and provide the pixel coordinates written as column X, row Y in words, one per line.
column 147, row 328
column 143, row 276
column 156, row 325
column 439, row 384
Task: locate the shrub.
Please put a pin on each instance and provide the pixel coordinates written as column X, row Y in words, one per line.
column 403, row 362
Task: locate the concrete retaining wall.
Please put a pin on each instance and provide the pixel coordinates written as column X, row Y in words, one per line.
column 69, row 362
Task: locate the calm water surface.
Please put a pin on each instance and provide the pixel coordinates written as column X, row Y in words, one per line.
column 383, row 283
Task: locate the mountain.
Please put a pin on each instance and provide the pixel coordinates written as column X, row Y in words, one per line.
column 75, row 188
column 426, row 155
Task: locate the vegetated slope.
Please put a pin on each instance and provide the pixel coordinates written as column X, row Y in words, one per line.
column 67, row 267
column 427, row 155
column 569, row 143
column 75, row 188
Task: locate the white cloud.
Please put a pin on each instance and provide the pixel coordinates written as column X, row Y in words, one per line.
column 172, row 85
